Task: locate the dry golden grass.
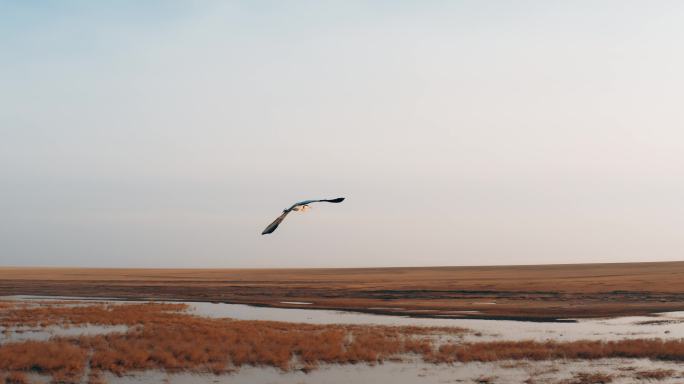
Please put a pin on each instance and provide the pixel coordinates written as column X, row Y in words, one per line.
column 590, row 378
column 656, row 349
column 161, row 336
column 101, row 314
column 59, row 358
column 586, row 278
column 219, row 346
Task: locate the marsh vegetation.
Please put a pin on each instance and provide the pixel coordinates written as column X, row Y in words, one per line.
column 165, row 337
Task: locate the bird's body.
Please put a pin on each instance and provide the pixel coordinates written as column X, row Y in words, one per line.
column 300, row 206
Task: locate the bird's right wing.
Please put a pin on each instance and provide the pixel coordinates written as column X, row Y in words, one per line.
column 305, row 202
column 272, row 227
column 338, row 200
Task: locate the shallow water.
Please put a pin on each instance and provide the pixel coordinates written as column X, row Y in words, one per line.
column 24, row 333
column 623, row 371
column 588, row 329
column 667, row 326
column 17, row 334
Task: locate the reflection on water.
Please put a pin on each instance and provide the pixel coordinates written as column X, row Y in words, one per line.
column 25, row 333
column 16, row 334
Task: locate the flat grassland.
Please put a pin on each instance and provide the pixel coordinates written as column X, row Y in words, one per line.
column 537, row 292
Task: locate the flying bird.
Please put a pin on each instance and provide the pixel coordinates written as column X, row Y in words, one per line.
column 301, row 206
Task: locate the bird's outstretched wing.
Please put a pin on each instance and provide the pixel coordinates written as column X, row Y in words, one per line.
column 305, row 202
column 337, row 200
column 272, row 227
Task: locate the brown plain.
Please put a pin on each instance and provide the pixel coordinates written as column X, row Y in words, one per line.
column 538, row 292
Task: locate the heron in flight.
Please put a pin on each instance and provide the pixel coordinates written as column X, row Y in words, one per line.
column 301, row 206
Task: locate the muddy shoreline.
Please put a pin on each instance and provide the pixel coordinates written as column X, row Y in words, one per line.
column 491, row 305
column 539, row 293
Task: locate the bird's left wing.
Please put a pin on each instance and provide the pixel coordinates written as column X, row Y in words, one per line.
column 272, row 227
column 337, row 200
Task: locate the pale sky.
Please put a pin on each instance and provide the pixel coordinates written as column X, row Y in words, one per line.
column 170, row 133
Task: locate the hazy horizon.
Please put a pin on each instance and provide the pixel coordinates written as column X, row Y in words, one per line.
column 37, row 267
column 169, row 134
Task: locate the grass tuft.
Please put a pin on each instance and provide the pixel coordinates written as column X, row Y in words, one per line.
column 656, row 374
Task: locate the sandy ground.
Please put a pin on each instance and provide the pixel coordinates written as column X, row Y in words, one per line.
column 539, row 293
